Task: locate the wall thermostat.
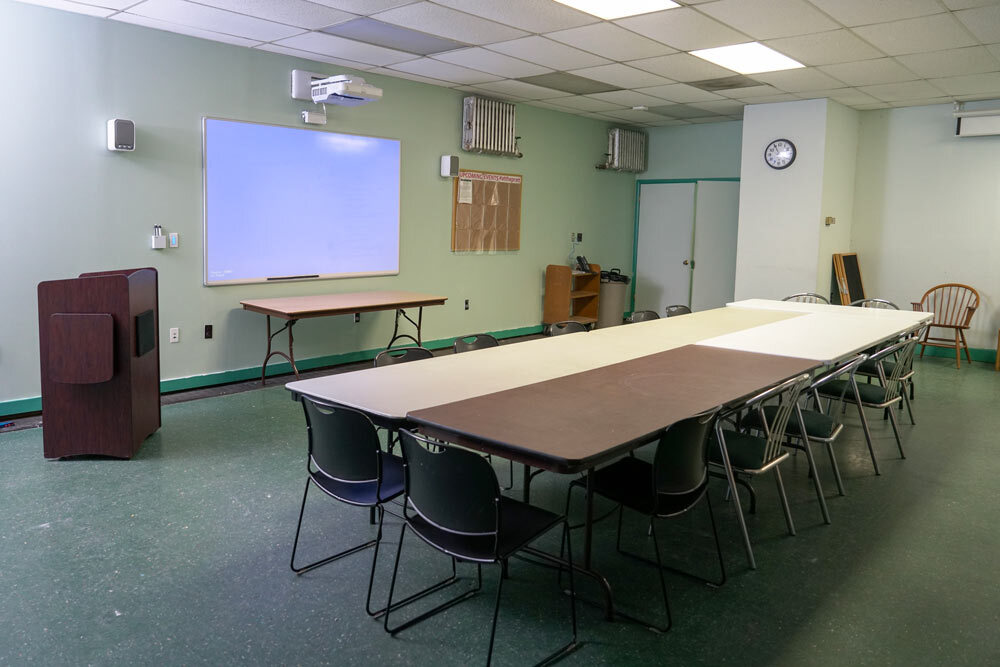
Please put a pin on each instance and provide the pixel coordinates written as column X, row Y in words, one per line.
column 121, row 135
column 449, row 165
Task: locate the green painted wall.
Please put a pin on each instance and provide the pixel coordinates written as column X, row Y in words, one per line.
column 710, row 150
column 72, row 206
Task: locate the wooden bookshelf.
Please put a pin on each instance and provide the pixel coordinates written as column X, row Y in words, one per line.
column 571, row 294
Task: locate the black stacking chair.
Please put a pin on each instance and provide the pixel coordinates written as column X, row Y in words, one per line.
column 807, row 297
column 452, row 502
column 674, row 483
column 401, row 355
column 673, row 311
column 883, row 396
column 474, row 342
column 566, row 327
column 642, row 316
column 751, row 455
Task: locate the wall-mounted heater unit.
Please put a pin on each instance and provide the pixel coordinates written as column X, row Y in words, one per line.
column 978, row 123
column 488, row 127
column 626, row 150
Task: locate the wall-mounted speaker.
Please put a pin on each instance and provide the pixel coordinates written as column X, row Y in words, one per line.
column 449, row 166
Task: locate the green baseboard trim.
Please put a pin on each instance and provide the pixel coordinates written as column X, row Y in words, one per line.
column 978, row 353
column 34, row 404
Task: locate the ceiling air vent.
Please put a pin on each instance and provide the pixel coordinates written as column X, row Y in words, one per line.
column 725, row 83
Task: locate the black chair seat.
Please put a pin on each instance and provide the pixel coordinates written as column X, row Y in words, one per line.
column 871, row 394
column 745, row 451
column 622, row 482
column 522, row 523
column 818, row 425
column 366, row 493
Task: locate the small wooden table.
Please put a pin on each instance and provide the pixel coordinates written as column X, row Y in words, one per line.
column 294, row 308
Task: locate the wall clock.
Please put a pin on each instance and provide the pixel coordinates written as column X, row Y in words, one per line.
column 779, row 154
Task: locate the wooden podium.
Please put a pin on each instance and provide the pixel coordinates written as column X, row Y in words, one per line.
column 100, row 362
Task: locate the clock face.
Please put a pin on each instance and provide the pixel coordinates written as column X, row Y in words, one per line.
column 779, row 154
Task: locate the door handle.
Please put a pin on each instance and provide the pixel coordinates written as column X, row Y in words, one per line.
column 685, row 262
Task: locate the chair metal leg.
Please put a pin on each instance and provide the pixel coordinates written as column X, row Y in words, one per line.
column 323, row 561
column 895, row 430
column 864, row 425
column 784, row 500
column 496, row 613
column 836, row 469
column 824, row 510
column 909, row 408
column 737, row 507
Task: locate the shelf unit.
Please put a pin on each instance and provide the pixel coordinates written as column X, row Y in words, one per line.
column 571, row 294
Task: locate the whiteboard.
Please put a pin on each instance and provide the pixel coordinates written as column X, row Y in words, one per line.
column 288, row 203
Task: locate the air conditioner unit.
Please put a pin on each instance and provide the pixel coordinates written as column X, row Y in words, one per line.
column 488, row 127
column 978, row 123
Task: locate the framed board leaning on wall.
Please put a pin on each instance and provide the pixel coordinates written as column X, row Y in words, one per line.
column 486, row 211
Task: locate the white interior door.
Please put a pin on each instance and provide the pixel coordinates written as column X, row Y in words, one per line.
column 663, row 254
column 716, row 221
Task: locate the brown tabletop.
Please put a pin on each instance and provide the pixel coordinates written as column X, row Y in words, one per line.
column 322, row 305
column 578, row 421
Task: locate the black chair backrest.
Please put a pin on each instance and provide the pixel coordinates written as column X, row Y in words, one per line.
column 679, row 309
column 875, row 303
column 343, row 443
column 567, row 327
column 807, row 297
column 643, row 316
column 454, row 489
column 680, row 464
column 401, row 355
column 474, row 342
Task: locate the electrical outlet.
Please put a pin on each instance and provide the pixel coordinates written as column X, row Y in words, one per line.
column 357, row 317
column 208, row 331
column 466, row 304
column 175, row 334
column 579, row 237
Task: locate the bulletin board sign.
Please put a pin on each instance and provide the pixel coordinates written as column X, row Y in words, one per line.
column 486, row 212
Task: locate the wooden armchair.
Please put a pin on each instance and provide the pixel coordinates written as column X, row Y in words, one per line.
column 953, row 305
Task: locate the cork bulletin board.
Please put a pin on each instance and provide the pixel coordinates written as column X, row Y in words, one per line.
column 486, row 211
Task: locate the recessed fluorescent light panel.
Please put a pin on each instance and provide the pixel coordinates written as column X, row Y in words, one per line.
column 749, row 58
column 616, row 9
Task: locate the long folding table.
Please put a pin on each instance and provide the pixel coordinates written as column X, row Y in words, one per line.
column 570, row 403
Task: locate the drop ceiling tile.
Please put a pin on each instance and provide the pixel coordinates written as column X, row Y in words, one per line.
column 825, row 48
column 569, row 83
column 492, row 62
column 768, row 19
column 635, row 116
column 846, row 96
column 666, row 122
column 184, row 30
column 444, row 22
column 77, row 8
column 482, row 92
column 958, row 62
column 293, row 12
column 545, row 104
column 863, row 12
column 682, row 67
column 995, row 50
column 338, row 47
column 520, row 89
column 768, row 99
column 907, row 90
column 968, row 4
column 680, row 92
column 628, row 98
column 437, row 69
column 600, row 116
column 983, row 22
column 927, row 101
column 713, row 119
column 678, row 111
column 622, row 76
column 318, row 57
column 683, row 28
column 611, row 41
column 584, row 103
column 798, row 80
column 213, row 20
column 973, row 84
column 750, row 92
column 872, row 107
column 120, row 5
column 362, row 7
column 410, row 77
column 727, row 107
column 926, row 33
column 370, row 31
column 869, row 72
column 545, row 52
column 529, row 15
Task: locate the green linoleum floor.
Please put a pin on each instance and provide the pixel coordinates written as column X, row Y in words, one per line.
column 180, row 556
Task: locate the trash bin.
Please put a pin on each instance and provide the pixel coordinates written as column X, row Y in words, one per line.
column 611, row 303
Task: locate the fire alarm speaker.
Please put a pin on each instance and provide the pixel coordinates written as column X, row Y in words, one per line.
column 121, row 135
column 449, row 165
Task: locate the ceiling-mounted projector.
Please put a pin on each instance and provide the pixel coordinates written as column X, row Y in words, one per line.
column 344, row 90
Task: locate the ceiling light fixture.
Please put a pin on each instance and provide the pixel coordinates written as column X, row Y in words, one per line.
column 616, row 9
column 749, row 58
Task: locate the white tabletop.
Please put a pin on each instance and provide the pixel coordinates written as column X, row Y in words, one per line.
column 909, row 318
column 393, row 391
